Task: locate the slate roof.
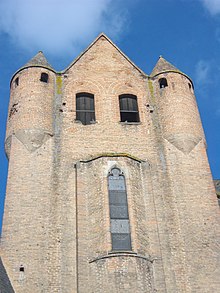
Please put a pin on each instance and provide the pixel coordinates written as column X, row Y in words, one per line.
column 5, row 284
column 163, row 66
column 38, row 60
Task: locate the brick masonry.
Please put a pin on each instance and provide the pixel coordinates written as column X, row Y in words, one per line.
column 56, row 220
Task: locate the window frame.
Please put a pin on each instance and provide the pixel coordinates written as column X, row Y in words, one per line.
column 119, row 223
column 128, row 106
column 81, row 109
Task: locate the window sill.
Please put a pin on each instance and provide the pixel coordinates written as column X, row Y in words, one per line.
column 80, row 123
column 121, row 253
column 113, row 252
column 129, row 123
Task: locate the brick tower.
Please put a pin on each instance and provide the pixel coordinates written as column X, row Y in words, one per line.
column 109, row 187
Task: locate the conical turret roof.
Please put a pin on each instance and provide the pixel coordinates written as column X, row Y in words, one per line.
column 163, row 66
column 38, row 60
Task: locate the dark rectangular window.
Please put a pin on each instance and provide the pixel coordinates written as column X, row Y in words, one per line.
column 128, row 108
column 85, row 108
column 44, row 77
column 17, row 82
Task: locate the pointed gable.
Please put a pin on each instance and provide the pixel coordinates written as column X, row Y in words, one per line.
column 163, row 66
column 5, row 284
column 97, row 42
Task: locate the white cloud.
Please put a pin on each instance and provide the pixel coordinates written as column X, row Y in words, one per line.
column 60, row 25
column 202, row 72
column 213, row 6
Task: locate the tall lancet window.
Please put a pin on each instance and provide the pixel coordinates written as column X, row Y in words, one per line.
column 120, row 227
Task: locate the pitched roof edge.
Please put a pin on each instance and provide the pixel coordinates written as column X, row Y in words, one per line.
column 98, row 37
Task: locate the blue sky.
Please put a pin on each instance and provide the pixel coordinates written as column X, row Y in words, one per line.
column 185, row 32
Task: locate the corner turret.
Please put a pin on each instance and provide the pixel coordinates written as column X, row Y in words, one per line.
column 29, row 147
column 31, row 103
column 180, row 120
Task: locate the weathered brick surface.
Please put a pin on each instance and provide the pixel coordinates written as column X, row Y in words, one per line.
column 31, row 102
column 57, row 222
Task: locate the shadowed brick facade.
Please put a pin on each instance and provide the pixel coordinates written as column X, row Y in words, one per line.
column 58, row 229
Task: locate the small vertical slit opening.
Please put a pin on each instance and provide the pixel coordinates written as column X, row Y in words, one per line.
column 17, row 82
column 21, row 269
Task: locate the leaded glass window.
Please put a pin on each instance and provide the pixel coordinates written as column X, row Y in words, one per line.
column 119, row 217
